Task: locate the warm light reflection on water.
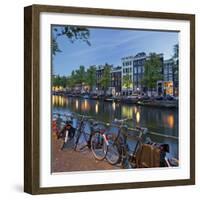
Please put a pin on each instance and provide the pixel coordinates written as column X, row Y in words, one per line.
column 58, row 101
column 135, row 109
column 127, row 112
column 96, row 108
column 76, row 104
column 162, row 120
column 113, row 106
column 85, row 106
column 137, row 117
column 170, row 121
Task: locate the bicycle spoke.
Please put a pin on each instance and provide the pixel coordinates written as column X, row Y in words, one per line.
column 113, row 155
column 98, row 146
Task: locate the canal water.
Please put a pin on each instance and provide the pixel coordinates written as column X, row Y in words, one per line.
column 163, row 121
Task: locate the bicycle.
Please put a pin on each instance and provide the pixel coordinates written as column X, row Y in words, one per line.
column 83, row 136
column 116, row 149
column 146, row 154
column 63, row 125
column 103, row 143
column 130, row 158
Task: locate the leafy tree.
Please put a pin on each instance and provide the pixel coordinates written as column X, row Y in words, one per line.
column 59, row 81
column 55, row 47
column 73, row 33
column 56, row 80
column 127, row 82
column 91, row 76
column 175, row 70
column 80, row 75
column 152, row 72
column 105, row 80
column 70, row 83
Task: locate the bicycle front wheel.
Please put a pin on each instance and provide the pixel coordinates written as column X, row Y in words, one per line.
column 113, row 155
column 98, row 146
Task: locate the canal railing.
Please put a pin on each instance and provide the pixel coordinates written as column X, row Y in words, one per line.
column 128, row 128
column 149, row 132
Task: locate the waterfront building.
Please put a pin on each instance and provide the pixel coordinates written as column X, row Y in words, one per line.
column 116, row 74
column 99, row 74
column 138, row 70
column 170, row 77
column 134, row 67
column 168, row 70
column 127, row 71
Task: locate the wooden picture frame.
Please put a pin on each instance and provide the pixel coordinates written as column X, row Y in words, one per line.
column 32, row 106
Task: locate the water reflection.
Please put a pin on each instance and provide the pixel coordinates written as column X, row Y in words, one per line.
column 85, row 106
column 156, row 119
column 170, row 121
column 127, row 112
column 114, row 105
column 135, row 109
column 76, row 104
column 137, row 117
column 164, row 121
column 59, row 101
column 97, row 108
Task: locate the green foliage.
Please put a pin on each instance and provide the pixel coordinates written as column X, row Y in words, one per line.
column 54, row 46
column 80, row 75
column 175, row 62
column 73, row 33
column 127, row 82
column 91, row 76
column 152, row 72
column 106, row 78
column 59, row 81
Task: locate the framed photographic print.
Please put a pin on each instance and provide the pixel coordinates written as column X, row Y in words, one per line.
column 109, row 99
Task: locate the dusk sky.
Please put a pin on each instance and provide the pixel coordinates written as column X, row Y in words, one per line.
column 109, row 46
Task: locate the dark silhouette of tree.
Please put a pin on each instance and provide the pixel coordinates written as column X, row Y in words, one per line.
column 73, row 33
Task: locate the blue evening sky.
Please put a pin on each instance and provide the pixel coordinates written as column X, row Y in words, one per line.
column 109, row 46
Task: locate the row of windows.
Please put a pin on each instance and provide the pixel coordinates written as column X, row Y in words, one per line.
column 168, row 70
column 137, row 62
column 127, row 70
column 116, row 75
column 116, row 78
column 138, row 70
column 127, row 63
column 138, row 78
